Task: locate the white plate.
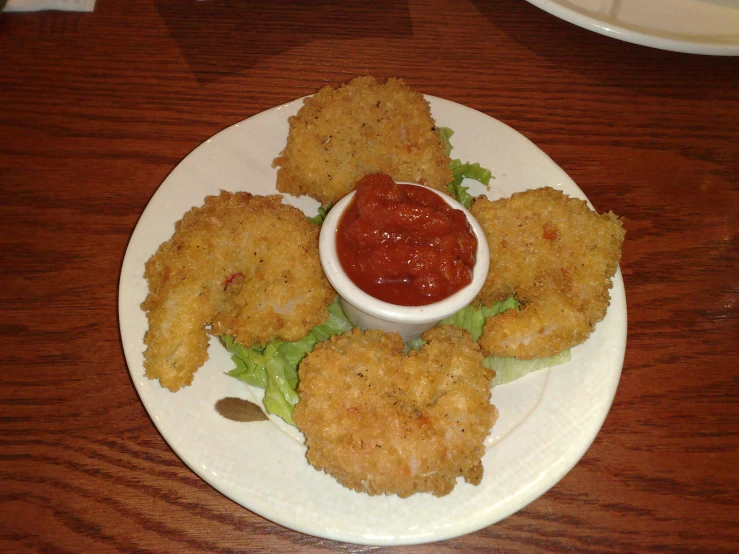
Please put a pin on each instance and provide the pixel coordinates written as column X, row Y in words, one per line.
column 693, row 26
column 547, row 419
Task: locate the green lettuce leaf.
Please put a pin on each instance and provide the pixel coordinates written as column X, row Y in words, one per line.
column 510, row 369
column 322, row 213
column 470, row 171
column 250, row 364
column 506, row 369
column 446, row 134
column 460, row 194
column 281, row 394
column 275, row 366
column 473, row 318
column 462, row 171
column 466, row 171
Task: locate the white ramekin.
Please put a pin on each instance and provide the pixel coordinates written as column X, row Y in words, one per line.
column 368, row 312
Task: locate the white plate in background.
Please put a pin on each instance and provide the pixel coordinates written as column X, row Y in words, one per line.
column 547, row 419
column 692, row 26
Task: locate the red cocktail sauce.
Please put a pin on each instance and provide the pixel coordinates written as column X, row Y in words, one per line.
column 403, row 244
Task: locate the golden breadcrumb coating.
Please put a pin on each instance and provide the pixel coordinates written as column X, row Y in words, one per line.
column 380, row 422
column 239, row 265
column 557, row 257
column 340, row 135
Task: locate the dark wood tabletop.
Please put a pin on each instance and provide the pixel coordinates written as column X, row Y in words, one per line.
column 96, row 109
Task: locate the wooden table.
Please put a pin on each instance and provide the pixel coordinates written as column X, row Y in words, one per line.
column 98, row 108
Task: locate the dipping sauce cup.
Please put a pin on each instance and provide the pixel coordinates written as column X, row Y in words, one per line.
column 367, row 312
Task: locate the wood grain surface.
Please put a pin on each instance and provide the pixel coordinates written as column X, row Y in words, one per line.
column 96, row 109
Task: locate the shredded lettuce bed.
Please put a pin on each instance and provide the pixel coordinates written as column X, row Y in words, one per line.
column 274, row 367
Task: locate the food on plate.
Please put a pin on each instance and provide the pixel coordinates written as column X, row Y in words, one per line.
column 378, row 415
column 240, row 265
column 382, row 422
column 342, row 134
column 404, row 244
column 274, row 367
column 556, row 256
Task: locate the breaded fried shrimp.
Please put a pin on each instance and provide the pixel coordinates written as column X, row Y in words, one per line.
column 239, row 265
column 380, row 422
column 363, row 127
column 557, row 257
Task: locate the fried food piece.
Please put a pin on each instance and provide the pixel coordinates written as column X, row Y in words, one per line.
column 380, row 422
column 557, row 257
column 239, row 265
column 343, row 134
